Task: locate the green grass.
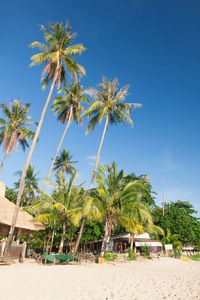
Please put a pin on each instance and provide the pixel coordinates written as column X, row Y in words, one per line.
column 131, row 258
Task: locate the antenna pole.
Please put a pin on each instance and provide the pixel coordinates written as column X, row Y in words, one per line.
column 163, row 197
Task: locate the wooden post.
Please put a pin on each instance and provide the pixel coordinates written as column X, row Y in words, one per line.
column 18, row 236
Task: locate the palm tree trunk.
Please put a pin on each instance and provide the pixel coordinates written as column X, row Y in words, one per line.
column 60, row 250
column 52, row 239
column 131, row 240
column 98, row 155
column 79, row 236
column 106, row 240
column 91, row 184
column 47, row 245
column 18, row 236
column 16, row 211
column 60, row 144
column 3, row 161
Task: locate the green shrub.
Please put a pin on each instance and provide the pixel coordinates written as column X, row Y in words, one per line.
column 145, row 251
column 131, row 254
column 109, row 256
column 196, row 257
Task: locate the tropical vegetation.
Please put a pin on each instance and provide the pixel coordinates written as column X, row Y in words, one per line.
column 115, row 202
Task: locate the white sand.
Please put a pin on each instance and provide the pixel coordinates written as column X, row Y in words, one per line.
column 166, row 278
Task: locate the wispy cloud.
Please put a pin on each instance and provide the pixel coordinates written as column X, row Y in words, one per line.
column 91, row 159
column 168, row 160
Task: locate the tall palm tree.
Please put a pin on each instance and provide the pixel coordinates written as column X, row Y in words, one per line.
column 62, row 205
column 109, row 104
column 64, row 162
column 117, row 202
column 13, row 129
column 31, row 185
column 58, row 56
column 68, row 107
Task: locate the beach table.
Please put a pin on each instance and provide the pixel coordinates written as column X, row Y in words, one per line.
column 63, row 258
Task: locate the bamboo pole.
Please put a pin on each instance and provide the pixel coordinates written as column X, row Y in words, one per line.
column 163, row 197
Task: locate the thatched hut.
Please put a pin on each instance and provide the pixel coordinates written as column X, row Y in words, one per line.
column 25, row 222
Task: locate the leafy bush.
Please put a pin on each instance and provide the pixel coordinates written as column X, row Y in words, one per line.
column 110, row 256
column 196, row 257
column 197, row 248
column 131, row 254
column 145, row 250
column 177, row 253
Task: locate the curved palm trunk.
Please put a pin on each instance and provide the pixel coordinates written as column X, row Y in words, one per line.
column 91, row 184
column 16, row 211
column 3, row 161
column 107, row 236
column 60, row 144
column 60, row 250
column 79, row 235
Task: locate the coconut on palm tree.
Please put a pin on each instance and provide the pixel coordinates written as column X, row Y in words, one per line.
column 58, row 56
column 31, row 186
column 108, row 104
column 68, row 107
column 14, row 127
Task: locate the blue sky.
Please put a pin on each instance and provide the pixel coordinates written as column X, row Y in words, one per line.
column 151, row 45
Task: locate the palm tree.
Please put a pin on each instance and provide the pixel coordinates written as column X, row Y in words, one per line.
column 89, row 211
column 31, row 185
column 68, row 108
column 109, row 104
column 58, row 55
column 64, row 162
column 114, row 199
column 63, row 204
column 118, row 203
column 13, row 129
column 136, row 218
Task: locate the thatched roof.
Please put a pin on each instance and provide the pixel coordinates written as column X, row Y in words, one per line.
column 24, row 221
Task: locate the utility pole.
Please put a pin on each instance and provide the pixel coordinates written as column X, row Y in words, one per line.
column 163, row 197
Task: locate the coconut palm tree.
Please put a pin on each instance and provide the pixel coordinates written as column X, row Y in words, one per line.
column 109, row 104
column 115, row 200
column 14, row 128
column 31, row 185
column 64, row 162
column 68, row 107
column 136, row 218
column 62, row 205
column 58, row 56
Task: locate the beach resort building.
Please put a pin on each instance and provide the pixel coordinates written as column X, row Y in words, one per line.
column 25, row 225
column 120, row 243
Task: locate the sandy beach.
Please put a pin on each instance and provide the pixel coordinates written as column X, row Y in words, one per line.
column 157, row 279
